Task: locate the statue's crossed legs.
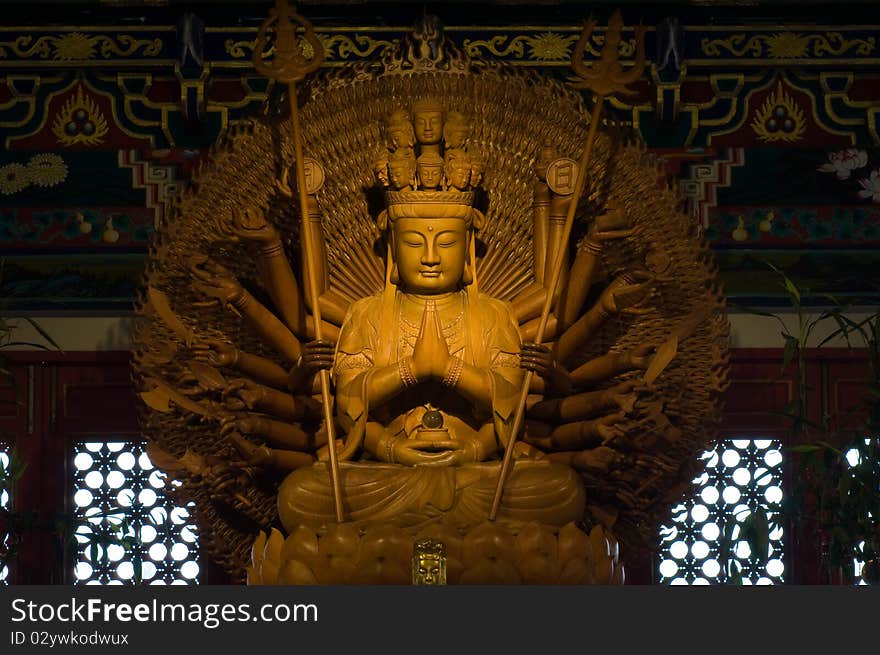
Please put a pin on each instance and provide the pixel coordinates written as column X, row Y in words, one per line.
column 410, row 497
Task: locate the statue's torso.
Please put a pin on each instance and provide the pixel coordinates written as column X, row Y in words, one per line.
column 383, row 329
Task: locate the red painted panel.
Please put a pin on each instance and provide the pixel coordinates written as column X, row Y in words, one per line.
column 94, row 399
column 74, row 395
column 13, row 399
column 848, row 392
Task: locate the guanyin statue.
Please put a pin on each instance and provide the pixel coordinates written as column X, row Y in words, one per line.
column 436, row 189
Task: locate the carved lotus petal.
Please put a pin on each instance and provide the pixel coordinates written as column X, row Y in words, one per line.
column 576, row 571
column 274, row 543
column 296, row 572
column 603, row 570
column 599, row 543
column 335, row 570
column 454, row 570
column 538, row 569
column 488, row 541
column 258, row 548
column 302, row 544
column 269, row 572
column 381, row 571
column 385, row 542
column 253, row 576
column 573, row 544
column 537, row 539
column 491, row 571
column 340, row 541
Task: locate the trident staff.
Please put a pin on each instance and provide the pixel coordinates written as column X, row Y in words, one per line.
column 605, row 77
column 289, row 66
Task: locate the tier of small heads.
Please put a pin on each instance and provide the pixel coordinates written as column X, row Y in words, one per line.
column 428, row 150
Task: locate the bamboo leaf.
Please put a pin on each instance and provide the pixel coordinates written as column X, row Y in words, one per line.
column 734, row 572
column 758, row 312
column 805, row 448
column 29, row 344
column 828, row 447
column 792, row 290
column 42, row 332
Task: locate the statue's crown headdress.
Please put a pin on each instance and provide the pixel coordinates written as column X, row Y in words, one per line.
column 428, row 168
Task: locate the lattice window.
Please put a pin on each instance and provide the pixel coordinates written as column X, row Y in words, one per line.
column 4, row 502
column 118, row 493
column 740, row 474
column 854, row 459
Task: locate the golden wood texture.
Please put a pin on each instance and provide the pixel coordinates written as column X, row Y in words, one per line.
column 232, row 410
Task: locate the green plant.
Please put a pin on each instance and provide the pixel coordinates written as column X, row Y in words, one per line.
column 839, row 486
column 96, row 531
column 835, row 499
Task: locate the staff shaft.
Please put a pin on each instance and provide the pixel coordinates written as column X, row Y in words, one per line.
column 308, row 247
column 519, row 416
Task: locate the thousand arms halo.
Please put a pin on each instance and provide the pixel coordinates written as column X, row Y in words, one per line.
column 437, row 188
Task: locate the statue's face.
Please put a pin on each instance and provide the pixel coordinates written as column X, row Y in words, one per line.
column 430, row 569
column 401, row 134
column 457, row 133
column 401, row 174
column 459, row 176
column 430, row 253
column 476, row 175
column 430, row 176
column 429, row 126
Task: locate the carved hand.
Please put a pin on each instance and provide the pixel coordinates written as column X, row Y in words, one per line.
column 215, row 281
column 231, row 424
column 254, row 455
column 430, row 358
column 252, row 225
column 538, row 358
column 610, row 226
column 215, row 352
column 242, row 394
column 283, row 183
column 623, row 395
column 318, row 355
column 599, row 459
column 639, row 357
column 424, row 452
column 607, row 428
column 323, row 453
column 626, row 293
column 226, row 479
column 187, row 384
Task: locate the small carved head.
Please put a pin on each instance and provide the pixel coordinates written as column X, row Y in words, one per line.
column 456, row 130
column 429, row 562
column 476, row 172
column 430, row 168
column 400, row 130
column 427, row 116
column 457, row 169
column 402, row 169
